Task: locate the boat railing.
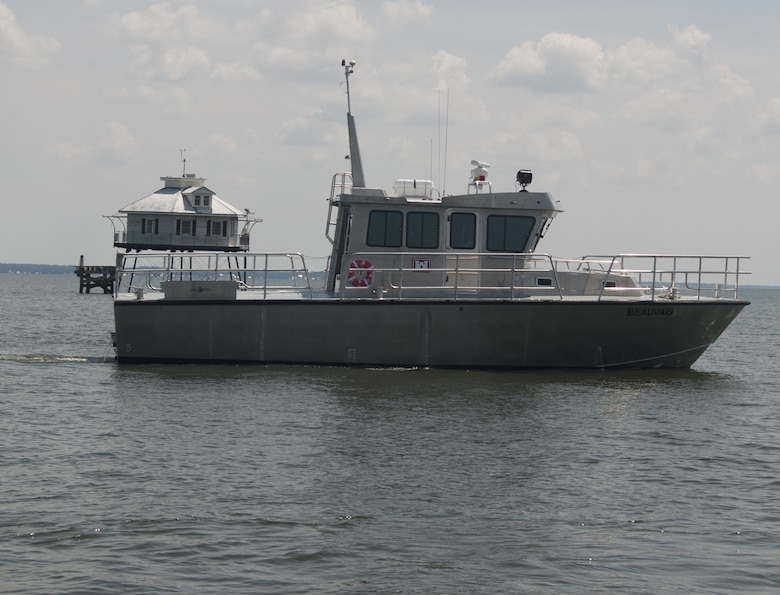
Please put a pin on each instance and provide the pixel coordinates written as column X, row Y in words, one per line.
column 534, row 275
column 680, row 276
column 263, row 273
column 446, row 276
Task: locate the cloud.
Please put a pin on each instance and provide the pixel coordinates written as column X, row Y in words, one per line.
column 161, row 24
column 643, row 62
column 771, row 116
column 400, row 11
column 115, row 144
column 119, row 141
column 69, row 151
column 690, row 42
column 22, row 49
column 664, row 108
column 172, row 64
column 558, row 62
column 565, row 63
column 323, row 22
column 235, row 71
column 449, row 69
column 729, row 85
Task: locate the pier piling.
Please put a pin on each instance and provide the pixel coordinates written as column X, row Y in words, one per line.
column 91, row 277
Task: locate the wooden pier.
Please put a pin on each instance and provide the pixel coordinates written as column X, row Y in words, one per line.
column 91, row 277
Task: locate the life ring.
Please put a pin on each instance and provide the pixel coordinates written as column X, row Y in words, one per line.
column 361, row 273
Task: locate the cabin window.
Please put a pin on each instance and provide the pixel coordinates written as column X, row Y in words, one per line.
column 463, row 231
column 385, row 229
column 422, row 230
column 508, row 233
column 224, row 228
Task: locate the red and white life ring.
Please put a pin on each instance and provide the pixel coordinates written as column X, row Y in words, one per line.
column 361, row 273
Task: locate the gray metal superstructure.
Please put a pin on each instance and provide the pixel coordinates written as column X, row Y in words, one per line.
column 419, row 279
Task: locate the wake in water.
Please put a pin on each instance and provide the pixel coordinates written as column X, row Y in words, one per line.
column 42, row 358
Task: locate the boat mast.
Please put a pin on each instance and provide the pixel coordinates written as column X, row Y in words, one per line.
column 354, row 149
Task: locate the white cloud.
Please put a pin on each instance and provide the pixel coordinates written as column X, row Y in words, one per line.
column 173, row 64
column 235, row 71
column 399, row 11
column 20, row 48
column 643, row 62
column 449, row 70
column 119, row 141
column 565, row 62
column 771, row 116
column 558, row 62
column 729, row 85
column 115, row 143
column 70, row 151
column 328, row 21
column 691, row 41
column 162, row 24
column 223, row 142
column 660, row 107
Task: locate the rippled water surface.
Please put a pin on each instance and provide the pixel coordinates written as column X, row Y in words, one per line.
column 223, row 479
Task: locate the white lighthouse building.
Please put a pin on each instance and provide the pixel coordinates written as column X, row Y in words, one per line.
column 182, row 215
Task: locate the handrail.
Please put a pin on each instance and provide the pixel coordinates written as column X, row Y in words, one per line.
column 264, row 272
column 448, row 276
column 659, row 277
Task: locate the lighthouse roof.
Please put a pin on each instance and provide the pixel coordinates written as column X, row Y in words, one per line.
column 177, row 197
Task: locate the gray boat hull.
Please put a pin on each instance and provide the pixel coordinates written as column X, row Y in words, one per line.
column 468, row 334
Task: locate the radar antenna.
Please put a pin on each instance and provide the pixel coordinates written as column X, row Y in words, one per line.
column 182, row 152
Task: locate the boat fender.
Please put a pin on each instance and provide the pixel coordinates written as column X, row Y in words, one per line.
column 361, row 273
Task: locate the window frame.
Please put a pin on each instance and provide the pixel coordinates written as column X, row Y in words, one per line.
column 462, row 215
column 385, row 228
column 498, row 240
column 425, row 231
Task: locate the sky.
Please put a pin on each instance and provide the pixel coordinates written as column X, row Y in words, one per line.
column 655, row 124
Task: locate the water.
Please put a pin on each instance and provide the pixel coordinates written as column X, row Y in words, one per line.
column 272, row 479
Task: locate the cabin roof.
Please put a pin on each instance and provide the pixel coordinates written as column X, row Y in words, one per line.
column 177, row 200
column 495, row 200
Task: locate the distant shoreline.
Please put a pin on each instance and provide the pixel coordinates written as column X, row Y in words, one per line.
column 37, row 269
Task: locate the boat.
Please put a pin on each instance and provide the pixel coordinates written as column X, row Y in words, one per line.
column 419, row 278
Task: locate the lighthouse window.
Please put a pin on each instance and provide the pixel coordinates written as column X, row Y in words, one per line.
column 422, row 230
column 385, row 229
column 215, row 228
column 463, row 231
column 197, row 201
column 507, row 233
column 150, row 226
